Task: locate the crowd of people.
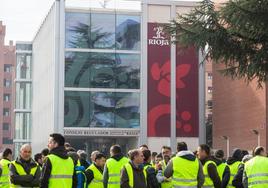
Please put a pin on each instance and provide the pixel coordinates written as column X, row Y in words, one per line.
column 61, row 166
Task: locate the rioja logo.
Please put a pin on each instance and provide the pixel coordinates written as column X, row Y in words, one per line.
column 159, row 37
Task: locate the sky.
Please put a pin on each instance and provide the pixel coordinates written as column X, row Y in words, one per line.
column 23, row 17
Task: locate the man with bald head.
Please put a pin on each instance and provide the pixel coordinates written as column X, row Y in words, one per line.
column 24, row 171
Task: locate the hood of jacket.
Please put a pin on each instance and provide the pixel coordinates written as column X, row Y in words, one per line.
column 217, row 161
column 188, row 155
column 118, row 157
column 236, row 156
column 60, row 152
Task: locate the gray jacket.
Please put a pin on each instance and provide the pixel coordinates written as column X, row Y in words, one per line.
column 188, row 155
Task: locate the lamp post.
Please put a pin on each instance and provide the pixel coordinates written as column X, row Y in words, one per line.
column 256, row 132
column 227, row 144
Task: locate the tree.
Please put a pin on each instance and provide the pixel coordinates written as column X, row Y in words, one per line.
column 235, row 34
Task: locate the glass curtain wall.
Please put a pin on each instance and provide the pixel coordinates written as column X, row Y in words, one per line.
column 102, row 70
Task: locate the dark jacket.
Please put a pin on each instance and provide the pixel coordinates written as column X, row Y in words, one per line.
column 138, row 177
column 25, row 180
column 105, row 171
column 46, row 170
column 238, row 178
column 84, row 163
column 90, row 175
column 226, row 173
column 188, row 155
column 213, row 173
column 151, row 177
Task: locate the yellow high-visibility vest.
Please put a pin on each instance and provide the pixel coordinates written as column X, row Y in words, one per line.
column 97, row 181
column 257, row 172
column 208, row 182
column 233, row 171
column 4, row 178
column 114, row 167
column 185, row 172
column 20, row 170
column 131, row 176
column 61, row 173
column 166, row 184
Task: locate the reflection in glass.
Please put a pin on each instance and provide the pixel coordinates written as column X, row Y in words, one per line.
column 103, row 105
column 23, row 70
column 127, row 32
column 23, row 95
column 102, row 109
column 76, row 109
column 103, row 30
column 127, row 111
column 23, row 126
column 77, row 30
column 128, row 71
column 89, row 70
column 77, row 65
column 102, row 70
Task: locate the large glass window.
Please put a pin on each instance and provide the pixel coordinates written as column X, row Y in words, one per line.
column 103, row 30
column 76, row 109
column 23, row 126
column 128, row 71
column 77, row 65
column 77, row 30
column 23, row 70
column 102, row 109
column 7, row 67
column 102, row 70
column 127, row 32
column 23, row 95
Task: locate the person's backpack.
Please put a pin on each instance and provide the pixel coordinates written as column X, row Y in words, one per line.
column 81, row 177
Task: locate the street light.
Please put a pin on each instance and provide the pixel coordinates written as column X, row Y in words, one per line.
column 256, row 132
column 227, row 144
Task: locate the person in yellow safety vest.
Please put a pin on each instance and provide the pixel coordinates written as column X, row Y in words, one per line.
column 185, row 168
column 222, row 167
column 233, row 162
column 256, row 170
column 4, row 163
column 150, row 171
column 94, row 172
column 212, row 178
column 238, row 178
column 24, row 171
column 133, row 174
column 113, row 166
column 153, row 160
column 58, row 169
column 166, row 153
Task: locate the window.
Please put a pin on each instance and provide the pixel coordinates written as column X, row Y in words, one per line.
column 23, row 95
column 127, row 32
column 210, row 89
column 209, row 76
column 102, row 70
column 7, row 141
column 5, row 126
column 23, row 126
column 101, row 109
column 23, row 69
column 7, row 83
column 6, row 112
column 27, row 47
column 6, row 97
column 7, row 68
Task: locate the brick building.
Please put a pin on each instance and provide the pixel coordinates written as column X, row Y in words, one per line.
column 7, row 88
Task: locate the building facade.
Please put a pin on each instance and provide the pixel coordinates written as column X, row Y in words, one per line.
column 104, row 74
column 7, row 64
